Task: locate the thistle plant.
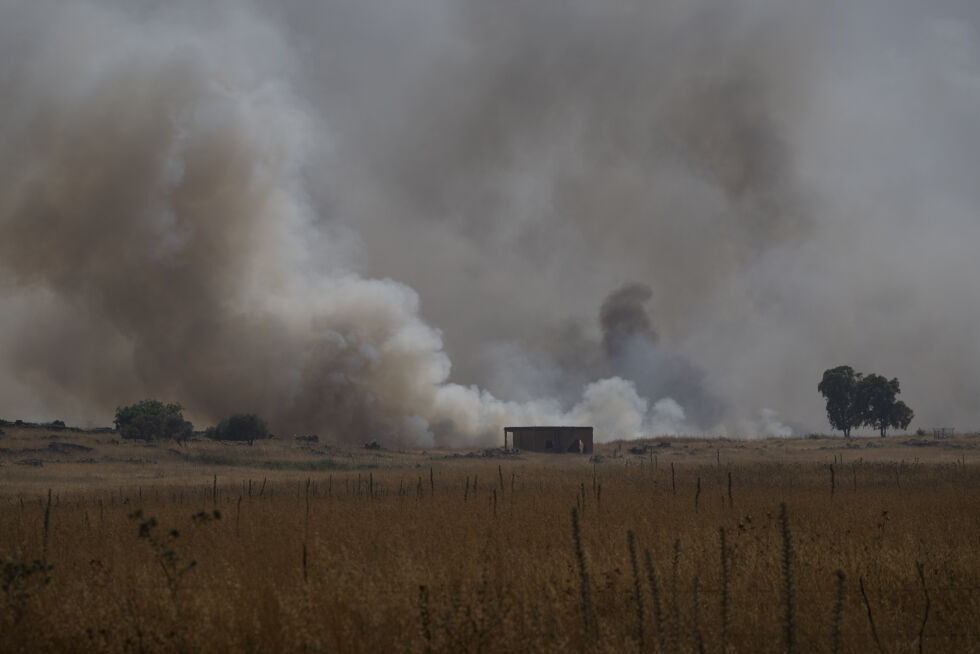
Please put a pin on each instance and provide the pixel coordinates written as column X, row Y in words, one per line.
column 20, row 580
column 174, row 565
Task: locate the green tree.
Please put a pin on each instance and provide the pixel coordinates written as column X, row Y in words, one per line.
column 880, row 408
column 240, row 427
column 151, row 420
column 839, row 386
column 902, row 416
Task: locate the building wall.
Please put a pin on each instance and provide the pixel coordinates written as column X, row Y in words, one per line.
column 558, row 440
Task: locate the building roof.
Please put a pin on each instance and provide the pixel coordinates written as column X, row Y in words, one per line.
column 544, row 427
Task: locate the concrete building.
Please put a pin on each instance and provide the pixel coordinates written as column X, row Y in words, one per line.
column 549, row 439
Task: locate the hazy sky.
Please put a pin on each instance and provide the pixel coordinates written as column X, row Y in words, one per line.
column 418, row 221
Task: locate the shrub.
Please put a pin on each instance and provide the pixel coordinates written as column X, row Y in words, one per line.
column 239, row 427
column 151, row 419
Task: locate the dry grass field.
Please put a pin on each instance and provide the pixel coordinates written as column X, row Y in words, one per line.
column 812, row 545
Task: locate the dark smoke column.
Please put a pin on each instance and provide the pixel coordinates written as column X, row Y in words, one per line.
column 634, row 352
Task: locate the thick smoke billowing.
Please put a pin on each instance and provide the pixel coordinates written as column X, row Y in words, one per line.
column 624, row 319
column 634, row 353
column 309, row 211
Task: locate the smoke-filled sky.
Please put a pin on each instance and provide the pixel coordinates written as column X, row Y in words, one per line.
column 420, row 221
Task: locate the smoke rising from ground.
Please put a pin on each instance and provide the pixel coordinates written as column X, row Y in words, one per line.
column 623, row 318
column 634, row 352
column 420, row 222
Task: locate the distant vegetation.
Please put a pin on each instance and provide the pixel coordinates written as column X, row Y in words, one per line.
column 150, row 420
column 855, row 400
column 242, row 427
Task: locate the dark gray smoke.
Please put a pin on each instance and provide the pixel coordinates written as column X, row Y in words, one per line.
column 623, row 318
column 635, row 353
column 242, row 207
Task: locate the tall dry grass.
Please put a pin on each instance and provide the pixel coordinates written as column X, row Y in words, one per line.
column 458, row 560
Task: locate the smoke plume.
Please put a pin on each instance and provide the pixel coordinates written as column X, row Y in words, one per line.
column 633, row 350
column 414, row 222
column 624, row 319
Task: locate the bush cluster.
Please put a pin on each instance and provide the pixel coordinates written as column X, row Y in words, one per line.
column 152, row 420
column 243, row 427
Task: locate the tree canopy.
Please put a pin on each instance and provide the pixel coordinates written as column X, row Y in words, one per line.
column 239, row 427
column 151, row 420
column 855, row 399
column 881, row 409
column 839, row 387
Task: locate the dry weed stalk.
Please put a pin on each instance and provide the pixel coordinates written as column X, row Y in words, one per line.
column 425, row 617
column 871, row 618
column 675, row 632
column 789, row 592
column 696, row 616
column 724, row 589
column 838, row 611
column 658, row 611
column 588, row 610
column 637, row 591
column 925, row 615
column 47, row 529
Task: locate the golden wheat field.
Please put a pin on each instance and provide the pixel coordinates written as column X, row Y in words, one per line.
column 813, row 545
